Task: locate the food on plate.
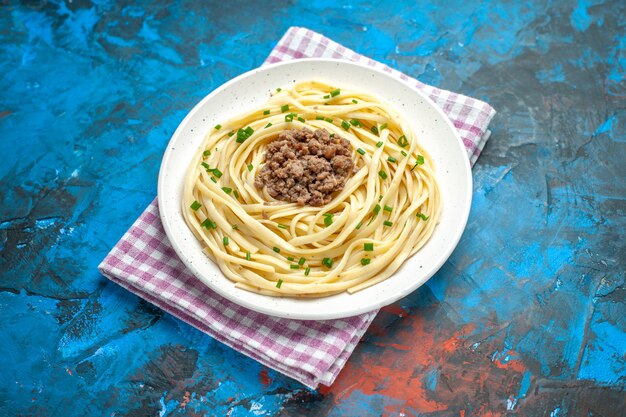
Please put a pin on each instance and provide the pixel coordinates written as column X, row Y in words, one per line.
column 323, row 189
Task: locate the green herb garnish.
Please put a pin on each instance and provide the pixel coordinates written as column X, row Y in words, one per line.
column 388, row 223
column 368, row 247
column 418, row 161
column 365, row 261
column 195, row 205
column 345, row 125
column 335, row 93
column 422, row 216
column 361, row 151
column 279, row 283
column 382, row 174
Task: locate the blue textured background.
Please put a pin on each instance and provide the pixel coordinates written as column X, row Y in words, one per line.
column 526, row 318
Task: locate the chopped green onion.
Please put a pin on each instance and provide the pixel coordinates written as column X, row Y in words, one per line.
column 284, row 108
column 278, row 90
column 354, row 101
column 358, row 226
column 290, row 258
column 227, row 190
column 388, row 223
column 335, row 93
column 379, row 144
column 328, row 220
column 231, row 133
column 250, row 167
column 345, row 125
column 236, row 194
column 365, row 261
column 418, row 161
column 327, row 96
column 380, row 197
column 387, row 208
column 319, row 117
column 266, row 112
column 392, row 159
column 368, row 247
column 218, row 127
column 214, row 180
column 267, row 125
column 217, row 173
column 332, row 135
column 235, row 227
column 422, row 216
column 248, row 257
column 281, row 226
column 328, row 119
column 275, row 249
column 195, row 205
column 374, row 130
column 279, row 283
column 225, row 240
column 328, row 262
column 404, row 153
column 376, row 209
column 403, row 142
column 361, row 151
column 301, row 261
column 383, row 126
column 301, row 119
column 382, row 174
column 307, row 271
column 243, row 134
column 206, row 166
column 355, row 122
column 208, row 224
column 289, row 118
column 294, row 266
column 206, row 153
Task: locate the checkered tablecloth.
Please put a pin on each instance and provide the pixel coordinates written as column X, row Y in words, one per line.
column 313, row 352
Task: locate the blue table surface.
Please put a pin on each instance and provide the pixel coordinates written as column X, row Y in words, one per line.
column 528, row 316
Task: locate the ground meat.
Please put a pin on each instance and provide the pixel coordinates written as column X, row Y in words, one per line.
column 305, row 167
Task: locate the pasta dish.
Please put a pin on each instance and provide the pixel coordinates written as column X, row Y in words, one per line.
column 323, row 189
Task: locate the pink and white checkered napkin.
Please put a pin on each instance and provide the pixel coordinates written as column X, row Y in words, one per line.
column 312, row 352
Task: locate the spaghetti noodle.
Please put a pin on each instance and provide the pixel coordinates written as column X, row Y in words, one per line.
column 386, row 211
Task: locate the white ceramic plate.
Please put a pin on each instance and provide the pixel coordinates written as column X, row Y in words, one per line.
column 436, row 133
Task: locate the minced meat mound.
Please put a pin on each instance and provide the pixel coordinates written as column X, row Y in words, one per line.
column 305, row 167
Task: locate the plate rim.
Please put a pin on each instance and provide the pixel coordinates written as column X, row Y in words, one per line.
column 389, row 298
